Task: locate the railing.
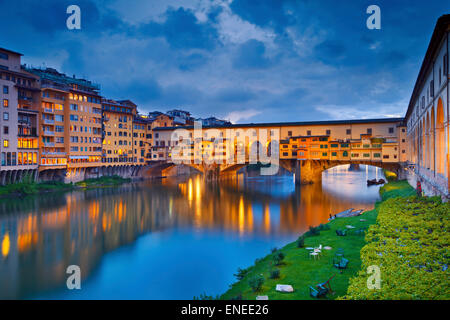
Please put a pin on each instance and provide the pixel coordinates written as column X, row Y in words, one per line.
column 49, row 144
column 54, row 153
column 48, row 133
column 48, row 110
column 49, row 121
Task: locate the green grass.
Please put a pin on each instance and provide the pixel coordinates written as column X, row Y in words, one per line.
column 102, row 181
column 390, row 176
column 301, row 272
column 27, row 187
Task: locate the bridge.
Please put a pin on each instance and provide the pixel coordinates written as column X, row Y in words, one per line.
column 305, row 149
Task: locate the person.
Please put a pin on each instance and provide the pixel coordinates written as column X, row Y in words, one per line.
column 419, row 188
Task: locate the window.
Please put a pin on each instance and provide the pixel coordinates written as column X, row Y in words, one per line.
column 5, row 89
column 289, row 133
column 386, row 156
column 445, row 64
column 308, row 133
column 5, row 103
column 349, row 131
column 5, row 143
column 4, row 56
column 324, row 154
column 5, row 116
column 334, row 154
column 328, row 132
column 369, row 130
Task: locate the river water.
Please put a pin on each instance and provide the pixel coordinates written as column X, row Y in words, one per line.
column 168, row 239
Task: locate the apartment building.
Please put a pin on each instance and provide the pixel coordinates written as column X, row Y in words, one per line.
column 118, row 132
column 19, row 96
column 71, row 124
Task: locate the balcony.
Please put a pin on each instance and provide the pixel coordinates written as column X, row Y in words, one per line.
column 48, row 110
column 54, row 153
column 49, row 121
column 48, row 133
column 25, row 98
column 49, row 144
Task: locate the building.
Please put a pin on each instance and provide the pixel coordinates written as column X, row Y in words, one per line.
column 377, row 140
column 427, row 117
column 71, row 126
column 117, row 146
column 180, row 117
column 213, row 122
column 19, row 121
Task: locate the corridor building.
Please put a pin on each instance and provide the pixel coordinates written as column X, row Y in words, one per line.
column 427, row 117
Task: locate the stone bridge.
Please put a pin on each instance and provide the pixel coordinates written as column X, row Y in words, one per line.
column 305, row 171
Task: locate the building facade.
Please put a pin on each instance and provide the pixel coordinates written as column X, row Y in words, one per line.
column 118, row 132
column 19, row 121
column 427, row 117
column 71, row 126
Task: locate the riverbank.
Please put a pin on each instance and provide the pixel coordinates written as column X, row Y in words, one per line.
column 300, row 270
column 29, row 188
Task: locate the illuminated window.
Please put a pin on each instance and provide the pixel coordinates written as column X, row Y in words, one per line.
column 6, row 143
column 5, row 103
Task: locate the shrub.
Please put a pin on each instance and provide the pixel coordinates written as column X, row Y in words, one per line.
column 324, row 227
column 301, row 242
column 278, row 258
column 409, row 243
column 313, row 231
column 241, row 273
column 274, row 273
column 274, row 249
column 256, row 283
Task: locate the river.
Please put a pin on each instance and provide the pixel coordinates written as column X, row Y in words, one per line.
column 165, row 239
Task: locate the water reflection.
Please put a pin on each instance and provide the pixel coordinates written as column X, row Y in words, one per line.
column 230, row 223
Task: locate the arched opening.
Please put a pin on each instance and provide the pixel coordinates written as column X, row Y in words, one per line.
column 254, row 151
column 433, row 140
column 272, row 145
column 440, row 138
column 427, row 142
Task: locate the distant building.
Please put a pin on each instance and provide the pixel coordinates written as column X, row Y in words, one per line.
column 180, row 117
column 118, row 132
column 213, row 122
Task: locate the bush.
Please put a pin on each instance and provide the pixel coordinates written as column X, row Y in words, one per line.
column 274, row 273
column 256, row 283
column 409, row 243
column 301, row 242
column 324, row 227
column 278, row 258
column 274, row 249
column 241, row 273
column 313, row 231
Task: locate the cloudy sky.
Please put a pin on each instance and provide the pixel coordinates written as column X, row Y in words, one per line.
column 243, row 60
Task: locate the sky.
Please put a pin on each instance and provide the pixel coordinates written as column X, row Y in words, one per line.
column 241, row 60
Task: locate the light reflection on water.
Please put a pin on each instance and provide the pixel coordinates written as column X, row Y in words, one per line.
column 171, row 239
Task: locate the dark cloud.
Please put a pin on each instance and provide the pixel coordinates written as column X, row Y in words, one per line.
column 293, row 60
column 251, row 55
column 234, row 95
column 182, row 30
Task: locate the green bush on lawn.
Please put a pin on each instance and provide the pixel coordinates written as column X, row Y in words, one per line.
column 409, row 243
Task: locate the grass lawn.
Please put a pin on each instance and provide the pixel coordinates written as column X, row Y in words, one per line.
column 102, row 181
column 26, row 188
column 300, row 271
